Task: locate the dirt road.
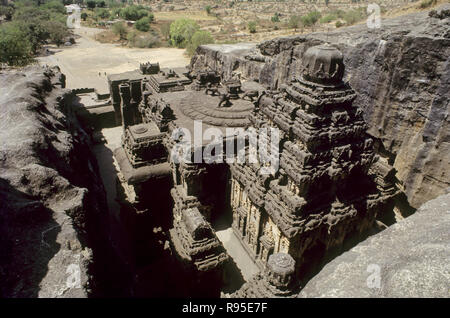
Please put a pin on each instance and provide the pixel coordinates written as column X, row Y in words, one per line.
column 86, row 62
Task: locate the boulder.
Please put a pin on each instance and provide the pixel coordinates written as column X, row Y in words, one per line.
column 408, row 259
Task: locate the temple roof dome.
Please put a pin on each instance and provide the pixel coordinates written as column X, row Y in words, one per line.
column 323, row 64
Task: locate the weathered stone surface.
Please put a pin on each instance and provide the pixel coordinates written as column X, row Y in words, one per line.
column 413, row 258
column 401, row 75
column 47, row 189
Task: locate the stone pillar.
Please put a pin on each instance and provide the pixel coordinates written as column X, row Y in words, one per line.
column 144, row 86
column 136, row 91
column 115, row 99
column 125, row 109
column 136, row 97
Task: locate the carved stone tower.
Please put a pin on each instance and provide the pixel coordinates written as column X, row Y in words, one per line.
column 323, row 193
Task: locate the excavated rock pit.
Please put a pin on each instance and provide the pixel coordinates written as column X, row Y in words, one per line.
column 59, row 240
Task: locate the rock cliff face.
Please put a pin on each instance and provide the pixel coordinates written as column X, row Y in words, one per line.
column 49, row 189
column 409, row 259
column 401, row 73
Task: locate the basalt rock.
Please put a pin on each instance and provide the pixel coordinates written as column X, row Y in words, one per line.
column 401, row 75
column 409, row 259
column 49, row 187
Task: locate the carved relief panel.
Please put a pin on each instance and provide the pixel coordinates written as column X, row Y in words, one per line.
column 235, row 193
column 266, row 242
column 284, row 245
column 254, row 217
column 273, row 233
column 292, row 186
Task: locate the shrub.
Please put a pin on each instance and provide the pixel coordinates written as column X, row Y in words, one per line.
column 294, row 22
column 353, row 16
column 427, row 3
column 102, row 13
column 15, row 48
column 310, row 19
column 328, row 18
column 181, row 32
column 208, row 9
column 55, row 6
column 120, row 29
column 339, row 24
column 275, row 18
column 251, row 26
column 165, row 30
column 143, row 24
column 84, row 16
column 142, row 40
column 7, row 12
column 199, row 38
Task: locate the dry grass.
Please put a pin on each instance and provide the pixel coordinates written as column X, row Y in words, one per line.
column 229, row 24
column 107, row 36
column 411, row 8
column 174, row 15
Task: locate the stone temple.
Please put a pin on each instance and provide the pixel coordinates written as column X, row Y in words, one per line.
column 328, row 191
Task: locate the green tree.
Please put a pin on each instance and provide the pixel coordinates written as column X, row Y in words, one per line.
column 199, row 38
column 55, row 6
column 208, row 9
column 15, row 48
column 251, row 26
column 91, row 4
column 102, row 13
column 135, row 13
column 32, row 24
column 57, row 33
column 84, row 16
column 181, row 32
column 115, row 13
column 143, row 24
column 100, row 3
column 120, row 29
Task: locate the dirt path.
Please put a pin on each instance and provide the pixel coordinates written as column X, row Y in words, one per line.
column 83, row 62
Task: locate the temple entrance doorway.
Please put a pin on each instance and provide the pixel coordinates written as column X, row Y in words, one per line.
column 219, row 182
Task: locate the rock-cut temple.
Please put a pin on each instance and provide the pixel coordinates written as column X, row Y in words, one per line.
column 330, row 187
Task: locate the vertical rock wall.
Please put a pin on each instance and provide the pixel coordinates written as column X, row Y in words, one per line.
column 49, row 189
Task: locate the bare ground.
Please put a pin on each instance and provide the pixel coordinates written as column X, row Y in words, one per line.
column 86, row 63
